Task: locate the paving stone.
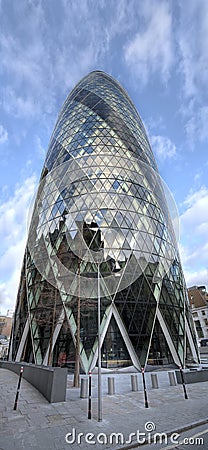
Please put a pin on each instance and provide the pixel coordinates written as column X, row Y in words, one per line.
column 40, row 425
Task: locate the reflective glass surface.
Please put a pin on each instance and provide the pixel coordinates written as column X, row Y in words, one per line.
column 101, row 218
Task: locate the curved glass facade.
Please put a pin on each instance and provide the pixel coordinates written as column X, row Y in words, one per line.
column 101, row 226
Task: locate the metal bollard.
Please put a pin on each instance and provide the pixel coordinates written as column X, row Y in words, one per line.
column 183, row 383
column 18, row 388
column 84, row 388
column 111, row 386
column 90, row 397
column 134, row 383
column 172, row 378
column 154, row 381
column 146, row 404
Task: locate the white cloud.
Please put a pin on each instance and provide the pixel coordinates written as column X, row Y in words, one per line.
column 193, row 44
column 6, row 300
column 196, row 127
column 44, row 51
column 13, row 230
column 37, row 60
column 3, row 135
column 13, row 210
column 163, row 147
column 19, row 105
column 194, row 236
column 192, row 38
column 11, row 264
column 198, row 278
column 196, row 198
column 41, row 152
column 151, row 49
column 44, row 57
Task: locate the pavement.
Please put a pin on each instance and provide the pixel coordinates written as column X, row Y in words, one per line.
column 126, row 423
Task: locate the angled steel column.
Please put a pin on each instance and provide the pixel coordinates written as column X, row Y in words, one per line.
column 99, row 354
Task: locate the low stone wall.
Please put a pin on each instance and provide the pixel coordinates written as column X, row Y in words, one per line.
column 194, row 376
column 50, row 381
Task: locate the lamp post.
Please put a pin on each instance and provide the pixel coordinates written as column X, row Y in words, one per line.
column 99, row 354
column 99, row 348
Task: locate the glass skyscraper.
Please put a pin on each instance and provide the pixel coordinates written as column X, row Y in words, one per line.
column 101, row 226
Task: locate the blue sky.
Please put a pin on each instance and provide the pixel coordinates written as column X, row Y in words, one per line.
column 158, row 50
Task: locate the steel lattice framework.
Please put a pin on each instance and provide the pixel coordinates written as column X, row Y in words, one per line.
column 101, row 202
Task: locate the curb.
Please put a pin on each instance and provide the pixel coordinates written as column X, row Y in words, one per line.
column 168, row 433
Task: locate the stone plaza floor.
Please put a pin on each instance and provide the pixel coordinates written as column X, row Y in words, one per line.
column 37, row 424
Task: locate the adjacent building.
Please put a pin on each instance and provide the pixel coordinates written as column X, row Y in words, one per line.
column 198, row 298
column 5, row 333
column 6, row 325
column 101, row 240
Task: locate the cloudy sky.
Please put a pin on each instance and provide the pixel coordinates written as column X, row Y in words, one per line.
column 158, row 50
